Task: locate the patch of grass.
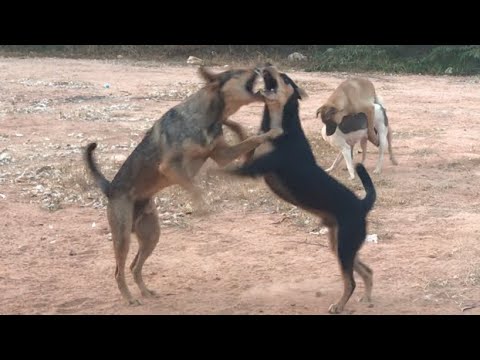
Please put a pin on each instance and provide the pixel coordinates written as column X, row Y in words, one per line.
column 454, row 60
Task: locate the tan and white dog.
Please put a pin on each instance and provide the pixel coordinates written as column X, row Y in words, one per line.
column 352, row 96
column 353, row 129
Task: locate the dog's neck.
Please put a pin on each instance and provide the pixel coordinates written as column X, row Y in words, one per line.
column 285, row 118
column 207, row 106
column 272, row 119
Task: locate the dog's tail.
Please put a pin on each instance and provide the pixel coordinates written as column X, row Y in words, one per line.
column 100, row 179
column 371, row 196
column 379, row 100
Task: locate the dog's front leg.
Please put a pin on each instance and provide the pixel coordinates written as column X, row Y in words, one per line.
column 175, row 172
column 337, row 161
column 347, row 154
column 241, row 133
column 224, row 154
column 238, row 129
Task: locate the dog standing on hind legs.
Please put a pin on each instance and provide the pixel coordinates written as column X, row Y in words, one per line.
column 291, row 172
column 172, row 152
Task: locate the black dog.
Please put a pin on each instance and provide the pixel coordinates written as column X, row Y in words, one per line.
column 291, row 172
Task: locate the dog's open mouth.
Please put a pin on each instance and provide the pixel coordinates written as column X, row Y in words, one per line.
column 271, row 84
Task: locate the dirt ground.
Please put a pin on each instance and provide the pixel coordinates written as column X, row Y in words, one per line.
column 252, row 254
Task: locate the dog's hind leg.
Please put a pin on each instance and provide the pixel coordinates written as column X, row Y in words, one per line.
column 390, row 151
column 367, row 276
column 332, row 235
column 120, row 217
column 347, row 248
column 381, row 150
column 372, row 135
column 363, row 145
column 147, row 229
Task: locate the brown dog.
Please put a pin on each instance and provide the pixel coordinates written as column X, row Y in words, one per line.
column 172, row 152
column 352, row 96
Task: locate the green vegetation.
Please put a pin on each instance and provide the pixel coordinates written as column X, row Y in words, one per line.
column 423, row 59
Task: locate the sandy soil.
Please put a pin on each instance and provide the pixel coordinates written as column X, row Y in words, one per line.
column 252, row 254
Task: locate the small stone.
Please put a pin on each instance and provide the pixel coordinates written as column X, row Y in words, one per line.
column 296, row 56
column 192, row 60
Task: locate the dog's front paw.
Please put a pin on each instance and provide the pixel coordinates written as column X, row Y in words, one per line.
column 134, row 302
column 335, row 309
column 150, row 294
column 365, row 299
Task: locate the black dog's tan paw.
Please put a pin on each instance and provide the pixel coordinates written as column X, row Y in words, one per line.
column 274, row 133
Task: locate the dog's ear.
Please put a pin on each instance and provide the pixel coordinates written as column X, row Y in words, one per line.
column 302, row 94
column 326, row 113
column 207, row 74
